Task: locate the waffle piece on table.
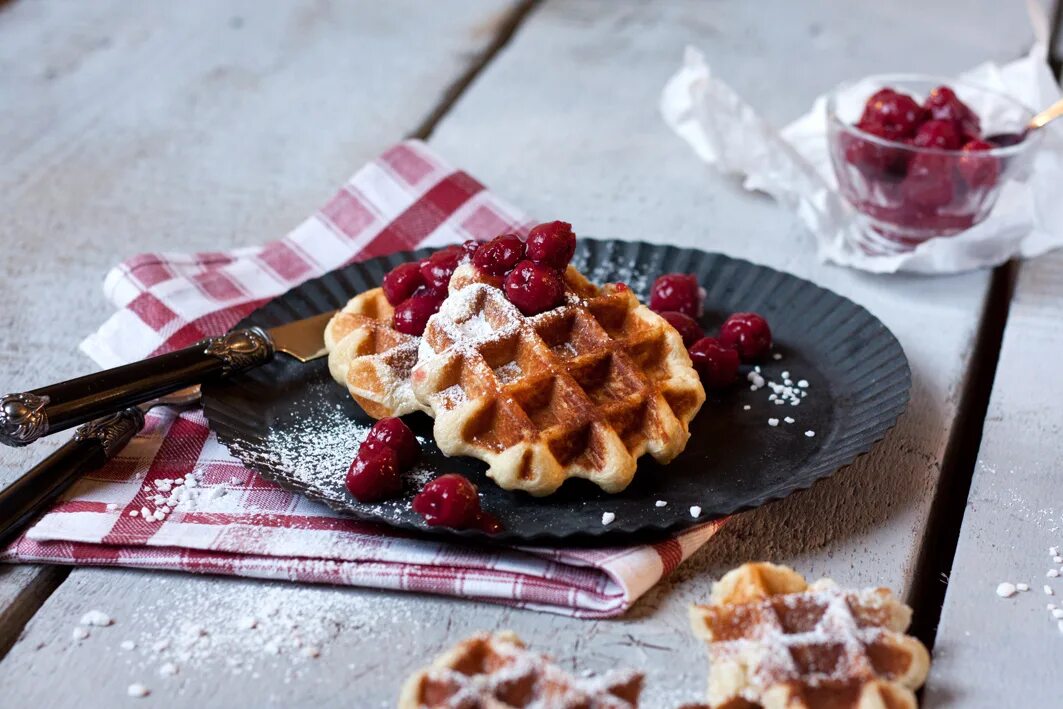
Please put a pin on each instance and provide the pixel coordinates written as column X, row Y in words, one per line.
column 496, row 671
column 582, row 390
column 776, row 641
column 372, row 359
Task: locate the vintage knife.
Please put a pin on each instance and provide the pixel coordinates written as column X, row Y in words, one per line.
column 26, row 416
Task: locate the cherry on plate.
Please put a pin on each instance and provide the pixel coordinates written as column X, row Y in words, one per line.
column 374, row 475
column 471, row 246
column 394, row 434
column 437, row 269
column 499, row 255
column 676, row 291
column 552, row 244
column 449, row 501
column 534, row 288
column 748, row 333
column 687, row 326
column 716, row 364
column 401, row 282
column 411, row 315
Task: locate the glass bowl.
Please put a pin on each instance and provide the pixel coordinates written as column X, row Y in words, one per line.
column 905, row 195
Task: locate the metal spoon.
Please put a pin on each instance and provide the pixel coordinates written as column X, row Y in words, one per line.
column 1004, row 140
column 92, row 445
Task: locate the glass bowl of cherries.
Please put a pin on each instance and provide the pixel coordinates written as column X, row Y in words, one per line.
column 921, row 157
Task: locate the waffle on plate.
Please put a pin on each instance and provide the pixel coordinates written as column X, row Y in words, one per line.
column 582, row 390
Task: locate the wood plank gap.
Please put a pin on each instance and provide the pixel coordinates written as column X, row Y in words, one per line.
column 938, row 548
column 27, row 601
column 507, row 28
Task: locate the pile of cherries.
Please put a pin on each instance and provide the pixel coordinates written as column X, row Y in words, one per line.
column 391, row 449
column 923, row 181
column 744, row 337
column 531, row 273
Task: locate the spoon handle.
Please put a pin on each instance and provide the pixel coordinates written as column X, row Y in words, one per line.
column 1049, row 114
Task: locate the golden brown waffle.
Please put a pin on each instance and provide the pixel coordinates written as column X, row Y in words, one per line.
column 777, row 642
column 498, row 672
column 370, row 358
column 582, row 390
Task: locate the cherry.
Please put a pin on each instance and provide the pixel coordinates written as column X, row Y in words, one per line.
column 411, row 315
column 875, row 161
column 437, row 269
column 401, row 281
column 534, row 288
column 499, row 255
column 939, row 134
column 979, row 171
column 374, row 475
column 394, row 434
column 716, row 365
column 929, row 182
column 471, row 246
column 894, row 115
column 943, row 104
column 676, row 291
column 748, row 333
column 687, row 326
column 552, row 244
column 450, row 500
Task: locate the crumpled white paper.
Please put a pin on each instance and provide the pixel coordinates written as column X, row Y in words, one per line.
column 793, row 166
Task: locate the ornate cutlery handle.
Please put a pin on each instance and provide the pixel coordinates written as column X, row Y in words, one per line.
column 92, row 445
column 27, row 416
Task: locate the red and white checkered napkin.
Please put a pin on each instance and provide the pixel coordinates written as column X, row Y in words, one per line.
column 405, row 198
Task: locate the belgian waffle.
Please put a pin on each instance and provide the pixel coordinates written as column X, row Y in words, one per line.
column 498, row 672
column 370, row 358
column 777, row 642
column 582, row 390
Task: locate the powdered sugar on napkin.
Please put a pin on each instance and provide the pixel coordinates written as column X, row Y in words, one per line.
column 793, row 166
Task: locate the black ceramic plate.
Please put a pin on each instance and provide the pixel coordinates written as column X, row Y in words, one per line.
column 297, row 427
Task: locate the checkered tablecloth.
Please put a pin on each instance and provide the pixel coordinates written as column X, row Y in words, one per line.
column 244, row 526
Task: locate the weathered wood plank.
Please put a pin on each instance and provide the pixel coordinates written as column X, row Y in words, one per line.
column 564, row 122
column 992, row 651
column 186, row 127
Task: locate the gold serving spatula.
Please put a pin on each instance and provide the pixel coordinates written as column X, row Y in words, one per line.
column 26, row 416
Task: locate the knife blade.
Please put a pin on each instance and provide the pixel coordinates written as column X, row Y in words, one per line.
column 27, row 416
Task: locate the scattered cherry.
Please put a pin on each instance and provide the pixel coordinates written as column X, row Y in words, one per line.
column 552, row 244
column 394, row 434
column 499, row 255
column 374, row 475
column 676, row 291
column 979, row 171
column 748, row 334
column 471, row 246
column 687, row 326
column 411, row 315
column 943, row 104
column 450, row 500
column 401, row 282
column 437, row 269
column 716, row 364
column 534, row 288
column 939, row 134
column 894, row 115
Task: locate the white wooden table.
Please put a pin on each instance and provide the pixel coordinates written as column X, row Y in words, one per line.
column 138, row 127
